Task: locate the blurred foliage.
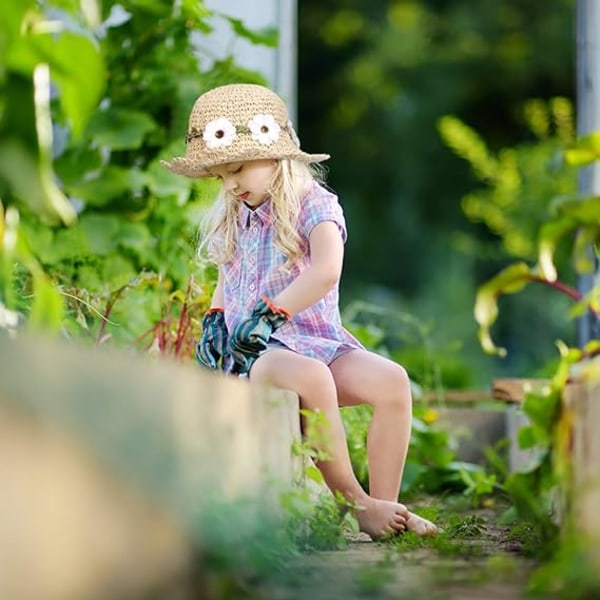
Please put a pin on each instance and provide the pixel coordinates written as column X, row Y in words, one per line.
column 529, row 201
column 541, row 489
column 517, row 182
column 97, row 238
column 375, row 80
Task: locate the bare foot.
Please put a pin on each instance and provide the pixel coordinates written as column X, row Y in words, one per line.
column 380, row 518
column 419, row 525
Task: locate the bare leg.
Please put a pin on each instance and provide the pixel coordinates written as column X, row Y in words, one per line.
column 313, row 382
column 365, row 378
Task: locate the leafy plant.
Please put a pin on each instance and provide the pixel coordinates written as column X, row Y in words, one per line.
column 317, row 519
column 97, row 239
column 478, row 484
column 532, row 207
column 516, row 182
column 467, row 527
column 540, row 491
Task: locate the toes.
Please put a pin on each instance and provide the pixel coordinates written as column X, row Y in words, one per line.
column 420, row 526
column 400, row 522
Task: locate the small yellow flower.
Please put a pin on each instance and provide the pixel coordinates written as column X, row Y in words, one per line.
column 488, row 503
column 431, row 416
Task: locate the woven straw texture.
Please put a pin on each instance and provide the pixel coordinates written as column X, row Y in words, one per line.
column 238, row 123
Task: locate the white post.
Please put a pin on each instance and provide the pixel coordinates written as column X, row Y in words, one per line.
column 588, row 120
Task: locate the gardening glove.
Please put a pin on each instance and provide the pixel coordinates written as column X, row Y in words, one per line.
column 250, row 337
column 212, row 346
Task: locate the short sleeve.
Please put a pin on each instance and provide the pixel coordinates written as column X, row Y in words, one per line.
column 320, row 205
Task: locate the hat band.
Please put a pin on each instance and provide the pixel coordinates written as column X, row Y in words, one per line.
column 221, row 132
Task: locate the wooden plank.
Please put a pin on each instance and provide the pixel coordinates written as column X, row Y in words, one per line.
column 515, row 389
column 454, row 396
column 109, row 462
column 581, row 409
column 510, row 390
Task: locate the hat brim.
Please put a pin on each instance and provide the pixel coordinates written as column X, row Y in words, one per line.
column 194, row 168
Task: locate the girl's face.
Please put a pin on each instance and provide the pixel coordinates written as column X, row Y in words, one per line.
column 248, row 181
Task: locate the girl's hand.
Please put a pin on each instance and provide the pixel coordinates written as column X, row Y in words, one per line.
column 212, row 346
column 250, row 337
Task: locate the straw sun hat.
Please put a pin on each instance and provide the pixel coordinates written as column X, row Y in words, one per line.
column 238, row 123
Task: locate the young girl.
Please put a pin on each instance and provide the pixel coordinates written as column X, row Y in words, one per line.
column 278, row 236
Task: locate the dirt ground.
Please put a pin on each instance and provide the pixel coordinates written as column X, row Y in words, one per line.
column 489, row 566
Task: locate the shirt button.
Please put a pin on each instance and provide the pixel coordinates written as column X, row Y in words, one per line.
column 255, row 229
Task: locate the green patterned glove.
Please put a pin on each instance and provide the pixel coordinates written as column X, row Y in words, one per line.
column 250, row 337
column 212, row 346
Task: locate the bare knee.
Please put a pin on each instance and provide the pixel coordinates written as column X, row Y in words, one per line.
column 307, row 377
column 316, row 385
column 263, row 371
column 395, row 392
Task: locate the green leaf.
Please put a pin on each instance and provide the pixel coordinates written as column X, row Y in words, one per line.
column 118, row 272
column 89, row 278
column 585, row 239
column 101, row 232
column 135, row 236
column 161, row 8
column 163, row 183
column 585, row 151
column 268, row 36
column 19, row 168
column 9, row 227
column 120, row 129
column 468, row 144
column 76, row 163
column 82, row 81
column 10, row 24
column 113, row 183
column 583, row 208
column 197, row 11
column 508, row 281
column 526, row 437
column 541, row 409
column 314, row 474
column 412, row 473
column 550, row 234
column 68, row 244
column 47, row 309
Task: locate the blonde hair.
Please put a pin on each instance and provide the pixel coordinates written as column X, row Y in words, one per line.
column 289, row 185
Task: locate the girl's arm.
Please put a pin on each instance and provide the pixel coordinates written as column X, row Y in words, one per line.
column 326, row 259
column 218, row 300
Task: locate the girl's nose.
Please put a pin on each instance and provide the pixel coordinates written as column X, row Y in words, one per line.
column 229, row 184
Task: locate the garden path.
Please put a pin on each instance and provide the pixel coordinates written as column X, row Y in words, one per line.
column 489, row 565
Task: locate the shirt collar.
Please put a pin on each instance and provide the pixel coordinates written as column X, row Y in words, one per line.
column 263, row 212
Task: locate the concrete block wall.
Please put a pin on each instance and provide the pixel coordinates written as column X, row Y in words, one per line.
column 106, row 460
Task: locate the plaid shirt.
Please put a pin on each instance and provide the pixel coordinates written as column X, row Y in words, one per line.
column 255, row 271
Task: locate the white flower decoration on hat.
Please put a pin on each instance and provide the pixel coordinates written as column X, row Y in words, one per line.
column 219, row 133
column 264, row 129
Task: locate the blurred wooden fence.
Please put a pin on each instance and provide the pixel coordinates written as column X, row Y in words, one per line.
column 107, row 462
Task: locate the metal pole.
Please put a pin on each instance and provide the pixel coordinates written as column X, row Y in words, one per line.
column 588, row 120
